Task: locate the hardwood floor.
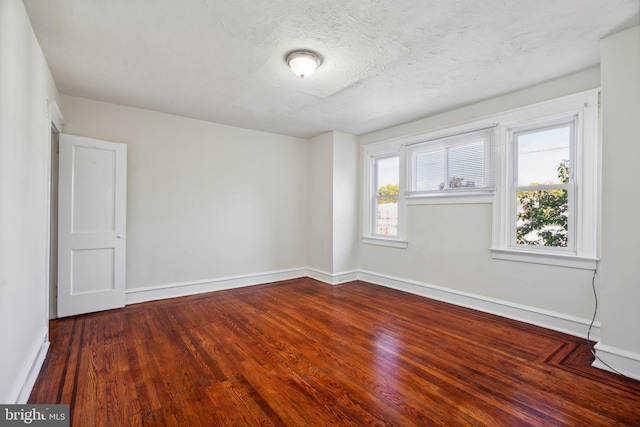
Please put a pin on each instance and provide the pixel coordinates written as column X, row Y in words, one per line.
column 302, row 353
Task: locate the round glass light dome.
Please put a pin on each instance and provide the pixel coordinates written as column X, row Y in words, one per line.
column 303, row 63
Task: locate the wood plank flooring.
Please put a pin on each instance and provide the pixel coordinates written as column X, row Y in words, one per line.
column 303, row 353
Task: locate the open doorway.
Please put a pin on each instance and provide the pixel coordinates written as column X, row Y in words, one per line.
column 53, row 222
column 51, row 261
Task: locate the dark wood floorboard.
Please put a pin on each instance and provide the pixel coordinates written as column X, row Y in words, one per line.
column 302, row 353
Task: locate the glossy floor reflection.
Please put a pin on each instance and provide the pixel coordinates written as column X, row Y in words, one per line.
column 305, row 353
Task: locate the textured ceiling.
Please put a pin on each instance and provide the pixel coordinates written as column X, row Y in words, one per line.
column 386, row 62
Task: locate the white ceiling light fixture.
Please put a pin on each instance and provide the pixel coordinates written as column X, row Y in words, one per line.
column 303, row 63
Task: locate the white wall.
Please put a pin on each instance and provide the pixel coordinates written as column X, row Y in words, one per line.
column 449, row 244
column 25, row 86
column 620, row 297
column 333, row 206
column 205, row 201
column 320, row 203
column 346, row 179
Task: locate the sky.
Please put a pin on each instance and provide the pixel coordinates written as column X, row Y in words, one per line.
column 540, row 153
column 388, row 171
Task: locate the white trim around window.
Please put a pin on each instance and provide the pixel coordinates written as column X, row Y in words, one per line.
column 581, row 111
column 581, row 253
column 373, row 155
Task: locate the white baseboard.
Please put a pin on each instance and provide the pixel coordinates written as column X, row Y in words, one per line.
column 624, row 361
column 548, row 319
column 153, row 293
column 173, row 290
column 332, row 278
column 30, row 369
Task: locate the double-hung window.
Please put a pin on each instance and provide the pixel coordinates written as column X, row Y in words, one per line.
column 384, row 220
column 385, row 196
column 542, row 194
column 546, row 207
column 537, row 165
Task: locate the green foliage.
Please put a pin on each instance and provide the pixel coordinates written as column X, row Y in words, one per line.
column 545, row 213
column 387, row 190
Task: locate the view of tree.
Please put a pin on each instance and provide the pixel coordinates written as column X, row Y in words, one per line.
column 387, row 190
column 545, row 213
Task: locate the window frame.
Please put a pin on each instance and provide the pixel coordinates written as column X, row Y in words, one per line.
column 375, row 197
column 514, row 188
column 372, row 154
column 586, row 174
column 583, row 199
column 455, row 137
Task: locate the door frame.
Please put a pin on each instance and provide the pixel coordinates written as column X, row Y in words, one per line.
column 54, row 125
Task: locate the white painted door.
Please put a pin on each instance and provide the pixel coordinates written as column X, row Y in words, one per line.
column 91, row 225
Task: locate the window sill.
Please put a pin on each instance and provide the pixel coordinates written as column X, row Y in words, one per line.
column 475, row 197
column 560, row 260
column 380, row 241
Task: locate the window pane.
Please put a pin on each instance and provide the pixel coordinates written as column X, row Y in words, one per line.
column 430, row 171
column 387, row 184
column 542, row 218
column 388, row 172
column 387, row 216
column 466, row 165
column 543, row 156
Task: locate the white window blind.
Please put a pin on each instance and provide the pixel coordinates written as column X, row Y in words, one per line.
column 452, row 164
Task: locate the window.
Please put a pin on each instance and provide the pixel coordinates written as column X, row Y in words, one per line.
column 385, row 199
column 542, row 194
column 537, row 165
column 455, row 165
column 384, row 204
column 547, row 199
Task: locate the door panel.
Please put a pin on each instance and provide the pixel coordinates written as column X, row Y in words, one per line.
column 93, row 185
column 92, row 270
column 91, row 225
